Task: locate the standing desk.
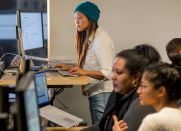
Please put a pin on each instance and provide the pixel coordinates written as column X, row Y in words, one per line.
column 8, row 80
column 64, row 129
column 54, row 80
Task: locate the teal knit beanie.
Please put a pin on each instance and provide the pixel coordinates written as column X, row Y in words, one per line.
column 89, row 9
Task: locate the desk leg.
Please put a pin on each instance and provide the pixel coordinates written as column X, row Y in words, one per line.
column 57, row 89
column 54, row 91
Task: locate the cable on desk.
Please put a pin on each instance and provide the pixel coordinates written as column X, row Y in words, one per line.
column 11, row 60
column 2, row 70
column 7, row 54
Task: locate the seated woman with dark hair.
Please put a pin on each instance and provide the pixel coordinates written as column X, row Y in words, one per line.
column 123, row 102
column 173, row 49
column 128, row 67
column 160, row 88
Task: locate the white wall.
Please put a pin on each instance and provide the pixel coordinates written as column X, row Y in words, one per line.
column 129, row 22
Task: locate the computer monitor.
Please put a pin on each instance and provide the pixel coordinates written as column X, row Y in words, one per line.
column 7, row 35
column 28, row 113
column 7, row 25
column 31, row 24
column 21, row 48
column 45, row 26
column 30, row 34
column 42, row 90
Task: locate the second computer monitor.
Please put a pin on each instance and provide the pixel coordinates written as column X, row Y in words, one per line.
column 31, row 24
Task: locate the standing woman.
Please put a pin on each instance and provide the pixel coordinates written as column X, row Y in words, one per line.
column 95, row 51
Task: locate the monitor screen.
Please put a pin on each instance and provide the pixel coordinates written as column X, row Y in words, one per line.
column 22, row 51
column 28, row 113
column 31, row 24
column 7, row 25
column 45, row 26
column 42, row 92
column 31, row 109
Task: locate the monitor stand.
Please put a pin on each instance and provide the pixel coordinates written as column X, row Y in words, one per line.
column 40, row 59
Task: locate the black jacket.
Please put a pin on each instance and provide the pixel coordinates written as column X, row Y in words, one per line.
column 127, row 108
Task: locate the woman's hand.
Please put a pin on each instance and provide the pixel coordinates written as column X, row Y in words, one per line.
column 77, row 71
column 63, row 66
column 119, row 125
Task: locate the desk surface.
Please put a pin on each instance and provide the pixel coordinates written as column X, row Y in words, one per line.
column 64, row 129
column 53, row 78
column 9, row 80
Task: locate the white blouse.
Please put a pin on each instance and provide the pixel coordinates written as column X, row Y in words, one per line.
column 100, row 57
column 168, row 119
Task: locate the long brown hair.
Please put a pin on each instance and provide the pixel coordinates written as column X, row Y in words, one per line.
column 82, row 41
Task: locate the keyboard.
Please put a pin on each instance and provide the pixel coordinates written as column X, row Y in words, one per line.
column 59, row 116
column 66, row 73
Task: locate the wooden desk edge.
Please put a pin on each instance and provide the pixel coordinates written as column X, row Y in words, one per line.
column 65, row 129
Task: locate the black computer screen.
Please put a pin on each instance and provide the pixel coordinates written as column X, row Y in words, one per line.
column 28, row 115
column 31, row 108
column 31, row 24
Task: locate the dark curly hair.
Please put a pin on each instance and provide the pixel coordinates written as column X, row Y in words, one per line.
column 163, row 74
column 172, row 49
column 139, row 57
